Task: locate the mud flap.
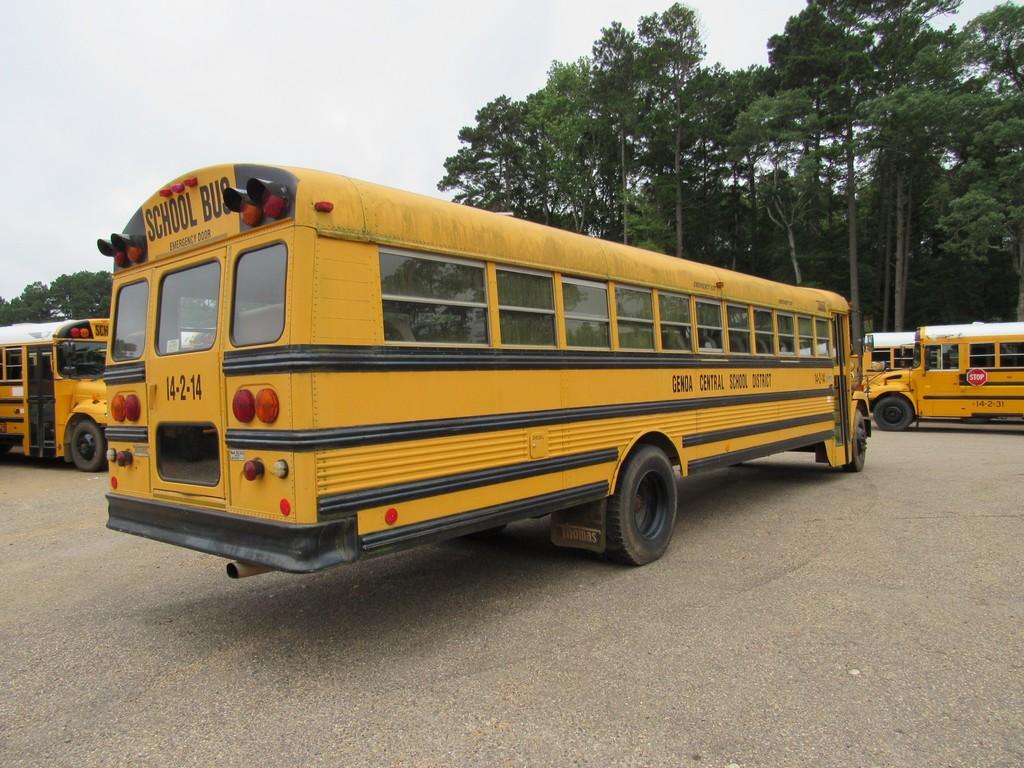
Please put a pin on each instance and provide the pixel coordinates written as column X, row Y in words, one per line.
column 580, row 527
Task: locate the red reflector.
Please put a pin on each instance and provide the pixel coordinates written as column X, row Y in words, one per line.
column 178, row 188
column 166, row 192
column 324, row 206
column 83, row 333
column 194, row 181
column 121, row 259
column 243, row 405
column 273, row 205
column 252, row 469
column 286, row 507
column 132, row 408
column 251, row 214
column 113, row 483
column 117, row 407
column 391, row 516
column 267, row 406
column 75, row 333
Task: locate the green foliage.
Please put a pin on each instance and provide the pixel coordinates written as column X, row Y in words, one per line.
column 878, row 155
column 75, row 296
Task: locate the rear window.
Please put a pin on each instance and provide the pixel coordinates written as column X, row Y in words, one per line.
column 258, row 316
column 188, row 309
column 130, row 321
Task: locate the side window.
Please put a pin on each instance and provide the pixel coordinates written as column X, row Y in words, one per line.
column 1011, row 354
column 130, row 321
column 586, row 313
column 258, row 313
column 12, row 357
column 526, row 308
column 676, row 326
column 432, row 300
column 188, row 309
column 903, row 357
column 942, row 357
column 787, row 335
column 806, row 336
column 635, row 312
column 739, row 328
column 821, row 341
column 709, row 326
column 764, row 332
column 983, row 355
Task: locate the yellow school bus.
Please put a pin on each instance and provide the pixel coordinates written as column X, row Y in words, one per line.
column 307, row 369
column 52, row 398
column 887, row 351
column 970, row 372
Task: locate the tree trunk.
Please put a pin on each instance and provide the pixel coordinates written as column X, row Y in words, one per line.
column 898, row 294
column 890, row 227
column 751, row 183
column 856, row 332
column 622, row 161
column 792, row 253
column 1019, row 269
column 679, row 191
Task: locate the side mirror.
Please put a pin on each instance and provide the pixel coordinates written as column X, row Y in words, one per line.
column 878, row 365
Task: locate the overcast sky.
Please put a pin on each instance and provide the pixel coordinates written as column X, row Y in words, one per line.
column 103, row 103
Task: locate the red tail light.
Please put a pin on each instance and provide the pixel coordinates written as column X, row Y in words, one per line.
column 117, row 407
column 243, row 405
column 132, row 408
column 252, row 469
column 267, row 406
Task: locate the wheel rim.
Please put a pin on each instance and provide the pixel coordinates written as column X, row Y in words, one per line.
column 649, row 506
column 86, row 446
column 892, row 414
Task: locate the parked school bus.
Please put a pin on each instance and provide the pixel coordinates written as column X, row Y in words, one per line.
column 307, row 369
column 52, row 398
column 971, row 372
column 888, row 351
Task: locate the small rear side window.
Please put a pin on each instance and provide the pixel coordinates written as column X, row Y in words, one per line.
column 258, row 313
column 130, row 321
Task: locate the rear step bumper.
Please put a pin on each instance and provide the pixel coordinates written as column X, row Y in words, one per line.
column 283, row 547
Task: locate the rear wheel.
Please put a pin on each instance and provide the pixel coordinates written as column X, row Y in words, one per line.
column 859, row 444
column 88, row 449
column 642, row 512
column 893, row 413
column 4, row 448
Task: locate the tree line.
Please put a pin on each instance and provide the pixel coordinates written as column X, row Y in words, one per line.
column 877, row 155
column 76, row 296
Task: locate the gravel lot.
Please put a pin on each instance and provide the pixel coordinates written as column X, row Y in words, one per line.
column 802, row 617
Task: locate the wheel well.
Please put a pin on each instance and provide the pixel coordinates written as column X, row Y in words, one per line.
column 659, row 440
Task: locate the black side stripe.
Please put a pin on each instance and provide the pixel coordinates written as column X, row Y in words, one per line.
column 10, row 400
column 480, row 519
column 11, row 419
column 703, row 438
column 342, row 504
column 376, row 434
column 757, row 452
column 125, row 373
column 986, row 396
column 127, row 434
column 304, row 358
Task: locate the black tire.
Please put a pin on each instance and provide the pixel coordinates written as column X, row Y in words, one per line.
column 88, row 448
column 5, row 448
column 859, row 444
column 893, row 413
column 642, row 512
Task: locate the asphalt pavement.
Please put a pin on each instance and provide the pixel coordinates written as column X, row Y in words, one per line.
column 801, row 617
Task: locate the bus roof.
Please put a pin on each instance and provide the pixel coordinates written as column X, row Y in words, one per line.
column 35, row 333
column 188, row 214
column 971, row 330
column 890, row 339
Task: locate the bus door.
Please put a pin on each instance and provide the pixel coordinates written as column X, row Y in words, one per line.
column 42, row 440
column 941, row 393
column 841, row 387
column 183, row 374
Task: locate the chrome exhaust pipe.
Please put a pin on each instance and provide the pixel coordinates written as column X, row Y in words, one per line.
column 237, row 570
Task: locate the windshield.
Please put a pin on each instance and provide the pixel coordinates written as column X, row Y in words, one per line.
column 81, row 359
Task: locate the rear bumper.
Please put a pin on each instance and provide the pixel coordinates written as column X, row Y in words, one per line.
column 283, row 547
